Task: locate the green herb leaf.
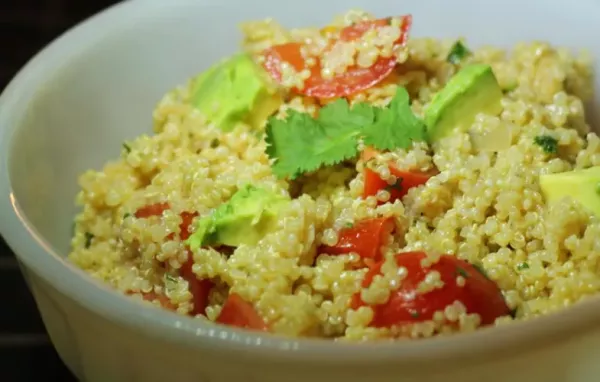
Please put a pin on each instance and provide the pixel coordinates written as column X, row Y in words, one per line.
column 301, row 143
column 127, row 148
column 349, row 225
column 170, row 278
column 457, row 52
column 522, row 266
column 126, row 215
column 548, row 143
column 214, row 143
column 396, row 186
column 395, row 126
column 462, row 272
column 414, row 314
column 88, row 239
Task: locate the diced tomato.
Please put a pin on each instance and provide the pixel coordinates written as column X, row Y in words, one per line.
column 200, row 289
column 355, row 78
column 155, row 209
column 186, row 220
column 356, row 31
column 405, row 180
column 365, row 238
column 240, row 313
column 406, row 305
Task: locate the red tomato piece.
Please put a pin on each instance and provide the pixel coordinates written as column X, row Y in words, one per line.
column 155, row 209
column 405, row 180
column 186, row 220
column 289, row 52
column 365, row 238
column 240, row 313
column 406, row 305
column 355, row 79
column 357, row 30
column 200, row 289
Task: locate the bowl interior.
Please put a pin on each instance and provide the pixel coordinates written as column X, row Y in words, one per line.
column 82, row 99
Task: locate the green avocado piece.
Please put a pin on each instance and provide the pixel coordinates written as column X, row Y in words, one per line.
column 473, row 90
column 234, row 91
column 246, row 218
column 580, row 185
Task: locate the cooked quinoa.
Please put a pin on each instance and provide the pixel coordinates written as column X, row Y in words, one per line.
column 481, row 201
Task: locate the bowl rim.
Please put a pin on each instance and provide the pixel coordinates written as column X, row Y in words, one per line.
column 37, row 255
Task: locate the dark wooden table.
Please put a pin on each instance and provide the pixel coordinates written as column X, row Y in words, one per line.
column 25, row 351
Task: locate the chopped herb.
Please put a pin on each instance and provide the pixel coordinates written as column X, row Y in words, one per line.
column 457, row 53
column 522, row 266
column 301, row 143
column 396, row 186
column 349, row 225
column 548, row 143
column 170, row 278
column 414, row 314
column 481, row 270
column 214, row 143
column 461, row 272
column 127, row 147
column 126, row 215
column 88, row 239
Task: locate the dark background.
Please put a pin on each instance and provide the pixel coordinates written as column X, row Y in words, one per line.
column 26, row 354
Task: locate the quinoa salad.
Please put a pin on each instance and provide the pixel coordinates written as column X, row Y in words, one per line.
column 352, row 182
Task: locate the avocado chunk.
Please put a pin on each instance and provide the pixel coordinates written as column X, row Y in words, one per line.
column 580, row 185
column 473, row 90
column 234, row 91
column 246, row 218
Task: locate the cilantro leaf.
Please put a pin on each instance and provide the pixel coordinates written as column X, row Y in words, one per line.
column 395, row 126
column 457, row 52
column 548, row 143
column 301, row 143
column 287, row 141
column 338, row 114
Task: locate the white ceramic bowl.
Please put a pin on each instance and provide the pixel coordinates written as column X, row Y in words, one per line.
column 71, row 107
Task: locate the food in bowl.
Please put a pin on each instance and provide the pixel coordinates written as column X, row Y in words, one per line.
column 353, row 183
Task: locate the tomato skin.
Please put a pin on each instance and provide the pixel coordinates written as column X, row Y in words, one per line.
column 357, row 30
column 155, row 209
column 200, row 289
column 240, row 313
column 354, row 80
column 478, row 294
column 405, row 181
column 186, row 221
column 289, row 52
column 365, row 238
column 373, row 182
